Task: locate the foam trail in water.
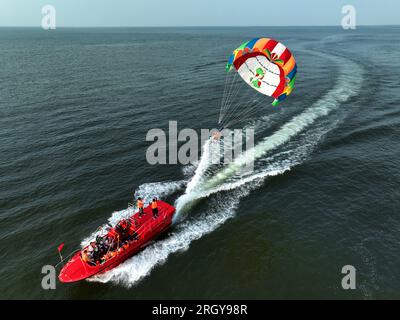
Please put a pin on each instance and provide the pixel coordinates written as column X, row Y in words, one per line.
column 276, row 164
column 348, row 84
column 224, row 206
column 139, row 266
column 205, row 161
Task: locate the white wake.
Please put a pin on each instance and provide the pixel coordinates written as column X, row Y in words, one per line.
column 230, row 182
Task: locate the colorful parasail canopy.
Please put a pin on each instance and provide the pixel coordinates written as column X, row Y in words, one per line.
column 267, row 66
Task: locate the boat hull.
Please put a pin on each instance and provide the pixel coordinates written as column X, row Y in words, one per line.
column 148, row 229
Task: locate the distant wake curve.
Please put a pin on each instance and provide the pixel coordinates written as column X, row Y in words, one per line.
column 223, row 208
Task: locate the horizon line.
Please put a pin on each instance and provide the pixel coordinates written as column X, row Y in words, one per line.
column 207, row 26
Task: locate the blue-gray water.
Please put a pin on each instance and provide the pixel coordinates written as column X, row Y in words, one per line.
column 75, row 107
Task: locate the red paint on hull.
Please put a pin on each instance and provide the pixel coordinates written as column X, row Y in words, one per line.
column 148, row 228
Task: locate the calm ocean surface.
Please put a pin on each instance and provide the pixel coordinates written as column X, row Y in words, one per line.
column 75, row 107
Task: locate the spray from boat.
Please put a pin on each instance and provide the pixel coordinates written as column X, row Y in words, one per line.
column 224, row 189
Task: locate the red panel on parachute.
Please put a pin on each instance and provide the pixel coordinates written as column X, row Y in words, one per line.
column 239, row 61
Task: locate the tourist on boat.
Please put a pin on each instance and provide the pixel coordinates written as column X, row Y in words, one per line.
column 123, row 229
column 140, row 205
column 154, row 208
column 91, row 247
column 87, row 256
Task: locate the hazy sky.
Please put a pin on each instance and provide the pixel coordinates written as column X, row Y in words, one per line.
column 74, row 13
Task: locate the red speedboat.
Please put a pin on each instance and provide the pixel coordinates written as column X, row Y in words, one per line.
column 118, row 244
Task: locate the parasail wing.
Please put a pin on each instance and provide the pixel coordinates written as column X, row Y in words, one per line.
column 266, row 65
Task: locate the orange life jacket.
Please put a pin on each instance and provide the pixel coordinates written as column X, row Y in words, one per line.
column 140, row 204
column 85, row 258
column 154, row 205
